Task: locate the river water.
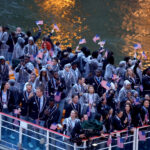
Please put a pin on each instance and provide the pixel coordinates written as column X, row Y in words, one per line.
column 121, row 23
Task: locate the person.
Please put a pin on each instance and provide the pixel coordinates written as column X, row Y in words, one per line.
column 67, row 76
column 42, row 80
column 117, row 124
column 18, row 49
column 4, row 70
column 25, row 96
column 69, row 123
column 7, row 99
column 96, row 82
column 24, row 69
column 3, row 40
column 51, row 113
column 29, row 34
column 79, row 88
column 74, row 105
column 89, row 102
column 145, row 113
column 31, row 48
column 45, row 56
column 37, row 106
column 146, row 81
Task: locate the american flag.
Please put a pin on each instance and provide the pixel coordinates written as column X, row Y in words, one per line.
column 137, row 46
column 105, row 84
column 82, row 41
column 146, row 118
column 53, row 126
column 56, row 27
column 142, row 136
column 109, row 141
column 102, row 43
column 144, row 55
column 40, row 55
column 120, row 142
column 96, row 38
column 57, row 96
column 40, row 22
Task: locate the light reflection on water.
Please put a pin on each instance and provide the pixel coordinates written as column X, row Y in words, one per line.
column 121, row 23
column 61, row 12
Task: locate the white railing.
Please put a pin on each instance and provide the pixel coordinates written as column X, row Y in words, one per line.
column 28, row 133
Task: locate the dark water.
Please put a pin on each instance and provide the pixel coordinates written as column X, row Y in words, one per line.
column 121, row 23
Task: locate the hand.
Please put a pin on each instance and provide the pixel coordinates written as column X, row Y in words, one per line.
column 125, row 121
column 82, row 135
column 30, row 95
column 46, row 112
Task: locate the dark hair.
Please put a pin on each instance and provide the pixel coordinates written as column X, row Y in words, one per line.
column 97, row 117
column 75, row 95
column 46, row 77
column 69, row 49
column 111, row 60
column 56, row 59
column 126, row 58
column 95, row 54
column 40, row 88
column 29, row 33
column 118, row 111
column 57, row 43
column 3, row 85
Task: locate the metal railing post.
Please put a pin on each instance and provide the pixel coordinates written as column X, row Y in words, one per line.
column 47, row 140
column 110, row 143
column 134, row 139
column 20, row 136
column 0, row 127
column 75, row 146
column 137, row 139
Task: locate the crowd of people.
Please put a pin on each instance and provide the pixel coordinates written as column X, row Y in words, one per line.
column 73, row 88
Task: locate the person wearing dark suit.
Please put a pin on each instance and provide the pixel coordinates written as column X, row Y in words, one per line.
column 4, row 70
column 74, row 105
column 7, row 100
column 117, row 124
column 37, row 106
column 96, row 82
column 127, row 115
column 145, row 112
column 24, row 101
column 51, row 114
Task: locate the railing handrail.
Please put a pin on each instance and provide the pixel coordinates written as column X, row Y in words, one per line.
column 35, row 125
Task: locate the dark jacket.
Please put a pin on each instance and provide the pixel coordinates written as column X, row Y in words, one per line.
column 10, row 101
column 34, row 108
column 71, row 107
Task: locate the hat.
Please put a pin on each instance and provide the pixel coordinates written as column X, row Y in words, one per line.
column 43, row 69
column 11, row 82
column 2, row 57
column 126, row 82
column 31, row 38
column 67, row 65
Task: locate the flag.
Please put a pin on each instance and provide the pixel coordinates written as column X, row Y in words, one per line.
column 56, row 27
column 82, row 41
column 146, row 118
column 144, row 55
column 137, row 46
column 31, row 58
column 105, row 84
column 109, row 141
column 53, row 126
column 120, row 142
column 50, row 62
column 102, row 43
column 142, row 136
column 96, row 38
column 40, row 55
column 40, row 22
column 57, row 96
